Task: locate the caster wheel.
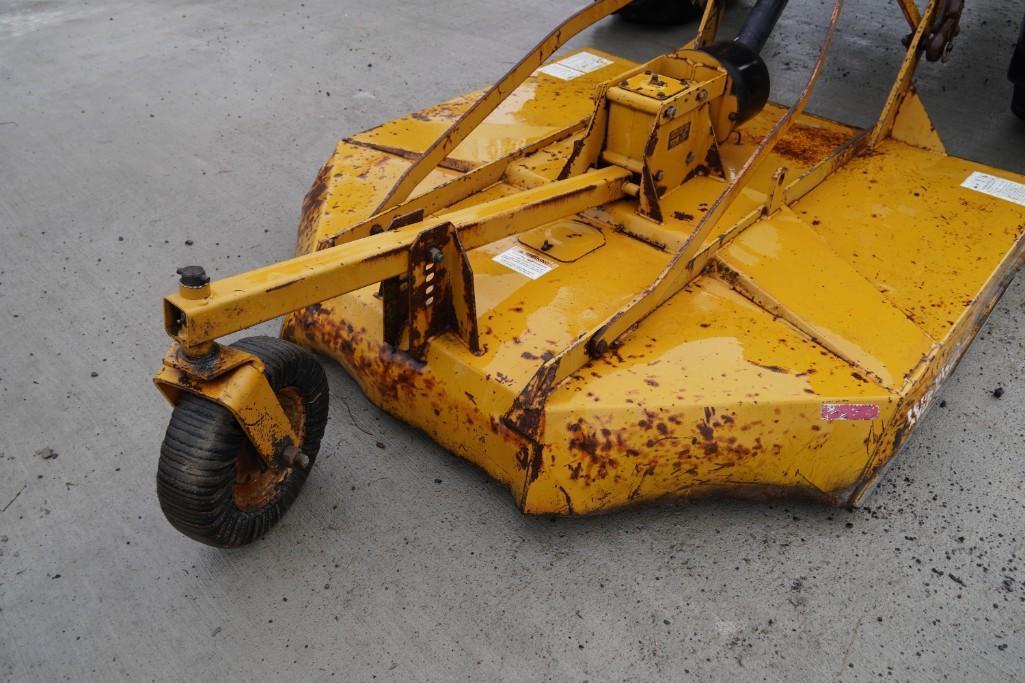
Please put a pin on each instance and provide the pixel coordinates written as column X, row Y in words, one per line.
column 662, row 12
column 211, row 482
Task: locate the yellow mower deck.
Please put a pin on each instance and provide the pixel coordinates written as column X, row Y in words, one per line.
column 797, row 362
column 608, row 283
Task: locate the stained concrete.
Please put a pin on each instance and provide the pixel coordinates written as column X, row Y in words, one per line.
column 138, row 136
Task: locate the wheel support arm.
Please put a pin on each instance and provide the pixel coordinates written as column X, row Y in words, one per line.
column 196, row 317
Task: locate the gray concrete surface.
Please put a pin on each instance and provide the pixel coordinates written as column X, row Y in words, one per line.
column 129, row 127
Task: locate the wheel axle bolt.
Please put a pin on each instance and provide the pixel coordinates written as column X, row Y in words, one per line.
column 294, row 457
column 436, row 255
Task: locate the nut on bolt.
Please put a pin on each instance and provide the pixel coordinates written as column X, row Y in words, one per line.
column 293, row 457
column 436, row 255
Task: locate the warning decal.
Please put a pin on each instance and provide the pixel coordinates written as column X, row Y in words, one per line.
column 524, row 262
column 575, row 66
column 996, row 187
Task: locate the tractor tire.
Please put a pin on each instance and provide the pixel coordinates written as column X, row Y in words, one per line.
column 211, row 482
column 662, row 12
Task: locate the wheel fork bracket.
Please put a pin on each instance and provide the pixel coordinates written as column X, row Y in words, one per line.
column 235, row 380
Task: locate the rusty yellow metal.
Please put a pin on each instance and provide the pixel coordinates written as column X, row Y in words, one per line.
column 495, row 95
column 884, row 125
column 233, row 379
column 772, row 319
column 680, row 270
column 453, row 191
column 259, row 295
column 709, row 26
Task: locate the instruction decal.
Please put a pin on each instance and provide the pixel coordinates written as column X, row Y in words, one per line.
column 524, row 262
column 1000, row 188
column 575, row 66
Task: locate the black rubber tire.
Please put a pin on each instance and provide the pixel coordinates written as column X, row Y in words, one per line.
column 197, row 471
column 662, row 12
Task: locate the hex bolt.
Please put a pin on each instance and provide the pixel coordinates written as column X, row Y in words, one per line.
column 702, row 95
column 670, row 112
column 660, row 174
column 436, row 255
column 600, row 348
column 690, row 157
column 546, row 245
column 376, row 230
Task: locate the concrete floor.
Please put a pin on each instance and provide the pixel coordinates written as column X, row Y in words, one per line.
column 130, row 127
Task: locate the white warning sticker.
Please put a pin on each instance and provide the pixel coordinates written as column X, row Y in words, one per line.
column 1000, row 188
column 561, row 72
column 524, row 262
column 575, row 66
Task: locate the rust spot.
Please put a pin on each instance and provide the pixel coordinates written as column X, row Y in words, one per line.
column 770, row 368
column 527, row 413
column 448, row 111
column 713, row 161
column 578, row 146
column 652, row 143
column 809, row 144
column 283, row 285
column 650, row 194
column 311, row 209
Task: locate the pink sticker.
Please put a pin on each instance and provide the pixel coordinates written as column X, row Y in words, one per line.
column 849, row 411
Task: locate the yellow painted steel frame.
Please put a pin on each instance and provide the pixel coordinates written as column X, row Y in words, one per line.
column 233, row 379
column 776, row 328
